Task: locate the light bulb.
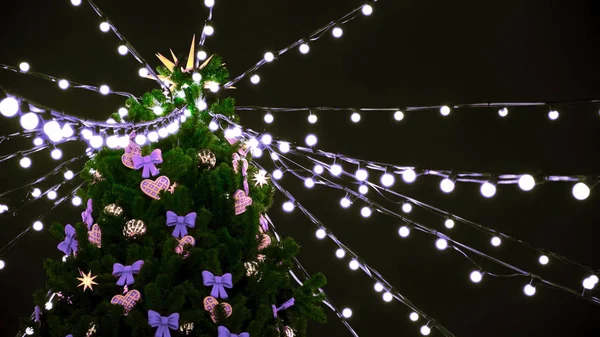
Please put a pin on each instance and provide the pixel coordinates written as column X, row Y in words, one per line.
column 277, row 174
column 309, row 183
column 406, row 207
column 209, row 30
column 496, row 241
column 96, row 141
column 123, row 112
column 112, row 142
column 69, row 175
column 209, row 3
column 274, row 156
column 269, row 118
column 48, row 305
column 56, row 154
column 122, row 50
column 581, row 191
column 589, row 283
column 237, row 131
column 202, row 55
column 476, row 276
column 213, row 126
column 143, row 72
column 111, row 121
column 355, row 117
column 187, row 113
column 38, row 141
column 378, row 287
column 503, row 112
column 447, row 185
column 29, row 331
column 488, row 189
column 252, row 142
column 104, row 89
column 363, row 189
column 201, row 104
column 367, row 10
column 553, row 115
column 398, row 115
column 173, row 128
column 266, row 139
column 229, row 134
column 361, row 174
column 76, row 201
column 256, row 152
column 2, row 264
column 288, row 206
column 337, row 32
column 321, row 234
column 366, row 212
column 311, row 140
column 163, row 133
column 255, row 79
column 63, row 84
column 318, row 169
column 335, row 169
column 9, row 107
column 449, row 223
column 24, row 66
column 140, row 140
column 543, row 260
column 425, row 330
column 25, row 162
column 409, row 176
column 347, row 313
column 387, row 180
column 354, row 265
column 196, row 77
column 526, row 182
column 38, row 226
column 269, row 57
column 76, row 2
column 414, row 316
column 52, row 195
column 345, row 202
column 53, row 130
column 213, row 87
column 104, row 27
column 158, row 110
column 445, row 110
column 124, row 141
column 594, row 279
column 441, row 244
column 153, row 136
column 36, row 193
column 86, row 134
column 304, row 48
column 312, row 119
column 387, row 296
column 67, row 131
column 529, row 290
column 340, row 253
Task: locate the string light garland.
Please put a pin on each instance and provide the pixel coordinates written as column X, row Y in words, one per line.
column 210, row 5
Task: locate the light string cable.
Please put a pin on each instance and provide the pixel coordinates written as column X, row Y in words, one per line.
column 269, row 57
column 206, row 31
column 65, row 84
column 454, row 244
column 306, row 275
column 110, row 26
column 368, row 270
column 300, row 152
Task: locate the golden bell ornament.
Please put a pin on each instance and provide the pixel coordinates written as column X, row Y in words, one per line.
column 134, row 228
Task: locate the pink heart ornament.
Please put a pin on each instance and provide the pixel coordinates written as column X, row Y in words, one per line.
column 210, row 303
column 95, row 236
column 152, row 188
column 265, row 242
column 242, row 201
column 127, row 158
column 128, row 301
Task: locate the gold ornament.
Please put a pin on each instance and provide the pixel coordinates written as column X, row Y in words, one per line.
column 206, row 159
column 91, row 331
column 87, row 281
column 133, row 228
column 113, row 210
column 187, row 328
column 260, row 178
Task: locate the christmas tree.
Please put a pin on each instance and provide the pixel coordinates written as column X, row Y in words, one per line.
column 175, row 238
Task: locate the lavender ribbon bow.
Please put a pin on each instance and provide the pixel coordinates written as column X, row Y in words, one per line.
column 125, row 273
column 70, row 244
column 263, row 223
column 218, row 283
column 181, row 223
column 284, row 306
column 224, row 332
column 132, row 143
column 37, row 312
column 147, row 163
column 163, row 323
column 86, row 216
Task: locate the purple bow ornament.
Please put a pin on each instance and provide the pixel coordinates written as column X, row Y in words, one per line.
column 125, row 273
column 264, row 224
column 70, row 244
column 218, row 283
column 147, row 163
column 86, row 216
column 129, row 148
column 181, row 223
column 163, row 323
column 284, row 306
column 37, row 313
column 224, row 332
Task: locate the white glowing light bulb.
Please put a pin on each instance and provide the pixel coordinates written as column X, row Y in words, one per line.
column 140, row 140
column 48, row 305
column 274, row 156
column 398, row 115
column 36, row 193
column 122, row 50
column 581, row 191
column 213, row 126
column 67, row 131
column 53, row 130
column 496, row 241
column 104, row 89
column 201, row 105
column 543, row 260
column 75, row 2
column 269, row 118
column 441, row 244
column 25, row 162
column 526, row 182
column 63, row 84
column 347, row 313
column 447, row 185
column 256, row 152
column 594, row 279
column 104, row 27
column 425, row 330
column 56, row 154
column 378, row 287
column 288, row 206
column 589, row 283
column 172, row 128
column 409, row 176
column 124, row 141
column 9, row 107
column 337, row 32
column 312, row 119
column 318, row 169
column 503, row 112
column 38, row 141
column 387, row 180
column 366, row 212
column 196, row 77
column 153, row 136
column 387, row 296
column 476, row 276
column 321, row 234
column 269, row 57
column 445, row 110
column 69, row 175
column 361, row 174
column 406, row 207
column 255, row 79
column 309, row 183
column 96, row 141
column 488, row 189
column 367, row 10
column 414, row 316
column 30, row 121
column 52, row 195
column 355, row 117
column 24, row 66
column 38, row 226
column 112, row 142
column 86, row 134
column 340, row 253
column 213, row 87
column 209, row 3
column 354, row 265
column 266, row 139
column 553, row 115
column 335, row 169
column 277, row 174
column 449, row 223
column 304, row 48
column 76, row 201
column 163, row 133
column 311, row 140
column 345, row 202
column 29, row 331
column 363, row 189
column 209, row 30
column 229, row 133
column 529, row 290
column 2, row 264
column 158, row 110
column 202, row 55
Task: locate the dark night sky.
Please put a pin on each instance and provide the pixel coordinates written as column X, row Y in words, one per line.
column 407, row 53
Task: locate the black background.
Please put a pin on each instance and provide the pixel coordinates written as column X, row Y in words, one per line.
column 407, row 53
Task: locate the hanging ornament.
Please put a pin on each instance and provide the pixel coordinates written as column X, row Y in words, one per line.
column 211, row 303
column 171, row 189
column 187, row 328
column 127, row 157
column 265, row 242
column 289, row 332
column 128, row 301
column 87, row 281
column 186, row 240
column 91, row 331
column 113, row 210
column 206, row 159
column 260, row 178
column 134, row 228
column 97, row 177
column 242, row 201
column 95, row 236
column 251, row 268
column 152, row 188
